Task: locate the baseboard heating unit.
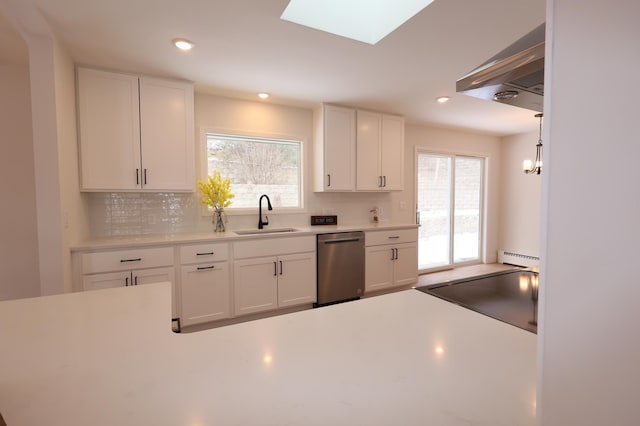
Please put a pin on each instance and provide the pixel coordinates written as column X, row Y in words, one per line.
column 517, row 259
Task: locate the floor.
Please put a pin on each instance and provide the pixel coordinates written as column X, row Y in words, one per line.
column 461, row 272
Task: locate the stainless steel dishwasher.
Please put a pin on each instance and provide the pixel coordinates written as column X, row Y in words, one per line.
column 340, row 267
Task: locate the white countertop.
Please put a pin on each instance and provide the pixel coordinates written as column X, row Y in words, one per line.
column 230, row 235
column 108, row 357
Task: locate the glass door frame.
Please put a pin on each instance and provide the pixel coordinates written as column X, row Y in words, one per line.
column 482, row 202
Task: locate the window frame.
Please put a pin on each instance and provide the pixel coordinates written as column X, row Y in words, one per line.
column 233, row 133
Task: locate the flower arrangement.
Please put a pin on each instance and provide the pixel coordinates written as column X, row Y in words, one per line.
column 216, row 192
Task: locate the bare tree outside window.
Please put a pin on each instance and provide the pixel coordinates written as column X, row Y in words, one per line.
column 258, row 166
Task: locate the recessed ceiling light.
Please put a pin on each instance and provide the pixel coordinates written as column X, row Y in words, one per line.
column 263, row 95
column 183, row 43
column 443, row 99
column 367, row 21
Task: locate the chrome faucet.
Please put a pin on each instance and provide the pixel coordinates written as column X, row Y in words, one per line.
column 266, row 218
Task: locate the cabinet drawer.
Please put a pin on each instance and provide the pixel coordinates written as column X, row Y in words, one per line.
column 376, row 238
column 197, row 253
column 274, row 246
column 120, row 260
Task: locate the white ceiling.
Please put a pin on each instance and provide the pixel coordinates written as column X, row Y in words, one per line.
column 243, row 47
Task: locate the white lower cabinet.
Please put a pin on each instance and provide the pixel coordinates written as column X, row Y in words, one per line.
column 130, row 267
column 205, row 293
column 297, row 279
column 255, row 285
column 274, row 273
column 128, row 278
column 205, row 284
column 391, row 259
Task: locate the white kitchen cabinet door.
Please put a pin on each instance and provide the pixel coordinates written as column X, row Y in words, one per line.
column 405, row 267
column 296, row 279
column 379, row 268
column 392, row 153
column 205, row 293
column 368, row 173
column 380, row 152
column 255, row 285
column 109, row 127
column 335, row 149
column 106, row 280
column 131, row 278
column 158, row 275
column 136, row 133
column 167, row 141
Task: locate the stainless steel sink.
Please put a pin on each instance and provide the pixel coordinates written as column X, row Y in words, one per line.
column 264, row 231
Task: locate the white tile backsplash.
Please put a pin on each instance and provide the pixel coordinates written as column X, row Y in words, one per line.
column 117, row 213
column 122, row 213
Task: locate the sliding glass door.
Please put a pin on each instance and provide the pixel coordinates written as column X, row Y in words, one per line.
column 449, row 209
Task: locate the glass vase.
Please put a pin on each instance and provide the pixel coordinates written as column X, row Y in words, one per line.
column 218, row 220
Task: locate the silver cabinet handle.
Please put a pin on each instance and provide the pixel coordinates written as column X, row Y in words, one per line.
column 328, row 179
column 137, row 176
column 342, row 240
column 210, row 253
column 126, row 281
column 281, row 267
column 145, row 176
column 137, row 259
column 384, row 180
column 394, row 237
column 275, row 269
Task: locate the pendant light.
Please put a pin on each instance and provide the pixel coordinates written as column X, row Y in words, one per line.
column 535, row 168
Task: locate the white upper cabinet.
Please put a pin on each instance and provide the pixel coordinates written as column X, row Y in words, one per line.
column 166, row 129
column 335, row 149
column 109, row 125
column 380, row 151
column 136, row 133
column 357, row 150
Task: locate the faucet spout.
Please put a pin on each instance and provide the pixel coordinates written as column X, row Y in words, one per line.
column 262, row 223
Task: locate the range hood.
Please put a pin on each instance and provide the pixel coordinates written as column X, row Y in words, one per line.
column 515, row 76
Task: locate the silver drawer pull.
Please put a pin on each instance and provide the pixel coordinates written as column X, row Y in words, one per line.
column 341, row 240
column 205, row 254
column 202, row 268
column 130, row 260
column 394, row 237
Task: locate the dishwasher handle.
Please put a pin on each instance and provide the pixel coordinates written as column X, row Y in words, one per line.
column 342, row 240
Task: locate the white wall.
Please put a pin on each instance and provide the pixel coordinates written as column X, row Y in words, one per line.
column 219, row 114
column 520, row 196
column 455, row 142
column 73, row 204
column 233, row 115
column 18, row 236
column 589, row 341
column 146, row 213
column 53, row 164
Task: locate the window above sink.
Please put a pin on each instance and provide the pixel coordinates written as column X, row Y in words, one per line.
column 257, row 165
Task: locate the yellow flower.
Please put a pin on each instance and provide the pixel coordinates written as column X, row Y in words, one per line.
column 216, row 192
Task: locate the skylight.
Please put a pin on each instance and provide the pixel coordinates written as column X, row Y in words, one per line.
column 368, row 21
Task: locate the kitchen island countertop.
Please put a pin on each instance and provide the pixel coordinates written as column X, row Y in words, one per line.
column 108, row 357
